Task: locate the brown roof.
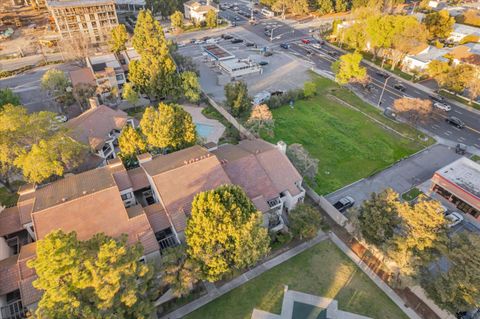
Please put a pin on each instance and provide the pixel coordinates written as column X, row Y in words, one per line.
column 134, row 211
column 139, row 179
column 8, row 275
column 157, row 217
column 260, row 203
column 10, row 221
column 30, row 295
column 93, row 126
column 186, row 178
column 83, row 75
column 122, row 179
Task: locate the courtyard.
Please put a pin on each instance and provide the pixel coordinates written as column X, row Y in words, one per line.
column 350, row 143
column 322, row 270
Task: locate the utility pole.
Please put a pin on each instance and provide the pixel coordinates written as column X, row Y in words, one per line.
column 383, row 90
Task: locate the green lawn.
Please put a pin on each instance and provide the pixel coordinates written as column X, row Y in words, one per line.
column 323, row 270
column 411, row 194
column 348, row 144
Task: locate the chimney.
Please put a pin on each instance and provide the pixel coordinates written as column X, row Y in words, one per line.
column 282, row 147
column 94, row 103
column 145, row 157
column 114, row 162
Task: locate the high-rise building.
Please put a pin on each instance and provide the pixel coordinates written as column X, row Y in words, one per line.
column 92, row 18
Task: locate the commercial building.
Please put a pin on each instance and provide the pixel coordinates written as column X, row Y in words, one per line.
column 196, row 10
column 91, row 18
column 149, row 203
column 459, row 182
column 229, row 64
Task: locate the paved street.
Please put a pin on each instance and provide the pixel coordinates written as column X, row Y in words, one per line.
column 402, row 176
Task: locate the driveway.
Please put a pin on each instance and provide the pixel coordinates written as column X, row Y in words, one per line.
column 402, row 176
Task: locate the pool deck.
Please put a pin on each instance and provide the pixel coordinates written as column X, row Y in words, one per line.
column 198, row 117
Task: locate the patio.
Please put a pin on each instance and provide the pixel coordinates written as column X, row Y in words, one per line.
column 209, row 129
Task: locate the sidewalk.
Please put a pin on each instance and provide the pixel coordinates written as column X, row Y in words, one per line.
column 214, row 293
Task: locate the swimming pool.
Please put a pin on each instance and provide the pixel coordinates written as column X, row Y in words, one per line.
column 204, row 130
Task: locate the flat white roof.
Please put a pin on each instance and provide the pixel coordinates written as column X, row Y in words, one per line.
column 237, row 63
column 465, row 173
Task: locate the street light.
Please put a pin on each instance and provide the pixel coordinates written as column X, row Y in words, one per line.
column 271, row 32
column 383, row 90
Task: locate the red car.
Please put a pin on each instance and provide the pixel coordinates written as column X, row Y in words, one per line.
column 306, row 41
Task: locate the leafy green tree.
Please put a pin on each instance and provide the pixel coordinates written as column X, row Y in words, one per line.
column 118, row 38
column 439, row 24
column 98, row 278
column 457, row 289
column 347, row 69
column 299, row 7
column 180, row 272
column 211, row 19
column 131, row 142
column 303, row 161
column 169, row 127
column 225, row 232
column 154, row 73
column 355, row 36
column 82, row 92
column 56, row 83
column 422, row 235
column 281, row 6
column 439, row 71
column 177, row 20
column 378, row 217
column 409, row 34
column 309, row 89
column 459, row 77
column 304, row 221
column 341, row 5
column 8, row 97
column 237, row 97
column 380, row 30
column 190, row 86
column 325, row 6
column 129, row 94
column 34, row 143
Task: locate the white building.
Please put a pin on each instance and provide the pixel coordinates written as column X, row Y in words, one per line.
column 196, row 10
column 420, row 61
column 240, row 67
column 460, row 31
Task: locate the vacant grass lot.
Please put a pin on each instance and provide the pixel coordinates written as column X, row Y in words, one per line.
column 348, row 144
column 323, row 270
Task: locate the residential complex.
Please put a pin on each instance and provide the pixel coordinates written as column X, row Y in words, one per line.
column 92, row 18
column 150, row 203
column 196, row 10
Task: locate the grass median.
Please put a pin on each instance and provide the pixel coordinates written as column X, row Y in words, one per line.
column 350, row 143
column 322, row 270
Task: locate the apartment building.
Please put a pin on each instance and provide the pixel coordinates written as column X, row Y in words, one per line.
column 150, row 204
column 92, row 18
column 196, row 10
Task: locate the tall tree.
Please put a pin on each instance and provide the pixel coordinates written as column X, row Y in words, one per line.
column 355, row 36
column 8, row 97
column 129, row 94
column 439, row 24
column 82, row 92
column 261, row 120
column 325, row 6
column 378, row 217
column 154, row 73
column 380, row 31
column 456, row 289
column 299, row 7
column 281, row 6
column 413, row 109
column 303, row 161
column 56, row 83
column 439, row 71
column 459, row 77
column 190, row 86
column 237, row 97
column 169, row 127
column 225, row 232
column 180, row 272
column 35, row 143
column 409, row 34
column 131, row 142
column 98, row 278
column 473, row 85
column 211, row 19
column 118, row 38
column 341, row 5
column 177, row 20
column 347, row 69
column 305, row 221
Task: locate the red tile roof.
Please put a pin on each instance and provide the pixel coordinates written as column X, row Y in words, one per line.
column 9, row 276
column 157, row 217
column 10, row 221
column 139, row 178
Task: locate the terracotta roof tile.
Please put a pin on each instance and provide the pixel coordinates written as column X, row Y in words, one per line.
column 157, row 217
column 30, row 295
column 83, row 75
column 10, row 221
column 138, row 178
column 9, row 276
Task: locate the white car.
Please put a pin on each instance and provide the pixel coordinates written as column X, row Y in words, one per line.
column 454, row 219
column 61, row 118
column 442, row 106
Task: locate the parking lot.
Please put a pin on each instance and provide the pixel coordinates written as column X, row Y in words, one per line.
column 283, row 71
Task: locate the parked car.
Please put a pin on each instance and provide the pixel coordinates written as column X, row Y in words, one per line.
column 399, row 87
column 250, row 44
column 332, row 53
column 61, row 118
column 344, row 203
column 442, row 106
column 227, row 36
column 455, row 121
column 316, row 45
column 461, row 148
column 236, row 41
column 437, row 98
column 382, row 74
column 285, row 46
column 309, row 52
column 454, row 219
column 263, row 63
column 305, row 41
column 277, row 93
column 268, row 53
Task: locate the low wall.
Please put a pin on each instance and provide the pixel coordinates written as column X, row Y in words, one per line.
column 338, row 217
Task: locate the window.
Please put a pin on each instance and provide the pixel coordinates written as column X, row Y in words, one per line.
column 120, row 77
column 127, row 196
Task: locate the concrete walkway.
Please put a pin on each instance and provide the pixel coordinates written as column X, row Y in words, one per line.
column 214, row 293
column 379, row 282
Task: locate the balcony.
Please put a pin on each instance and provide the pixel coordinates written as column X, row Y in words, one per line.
column 13, row 310
column 167, row 242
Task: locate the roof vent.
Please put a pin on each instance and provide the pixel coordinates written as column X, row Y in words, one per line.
column 64, row 199
column 84, row 192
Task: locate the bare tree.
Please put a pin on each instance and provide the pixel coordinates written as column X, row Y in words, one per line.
column 76, row 48
column 414, row 110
